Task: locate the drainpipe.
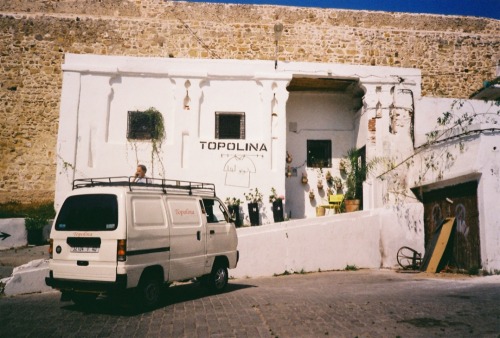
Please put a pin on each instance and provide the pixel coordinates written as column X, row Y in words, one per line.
column 412, row 121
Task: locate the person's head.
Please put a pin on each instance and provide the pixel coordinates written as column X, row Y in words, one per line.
column 141, row 170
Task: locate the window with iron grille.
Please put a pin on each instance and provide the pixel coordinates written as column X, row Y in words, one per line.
column 319, row 153
column 145, row 125
column 229, row 125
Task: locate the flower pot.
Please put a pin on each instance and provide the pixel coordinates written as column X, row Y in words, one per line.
column 234, row 210
column 320, row 211
column 278, row 211
column 351, row 205
column 253, row 213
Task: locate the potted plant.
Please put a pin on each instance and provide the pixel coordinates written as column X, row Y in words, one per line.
column 311, row 195
column 254, row 198
column 233, row 204
column 356, row 173
column 277, row 202
column 337, row 183
column 304, row 178
column 329, row 177
column 34, row 226
column 320, row 179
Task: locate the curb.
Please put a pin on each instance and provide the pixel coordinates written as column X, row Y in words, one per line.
column 27, row 278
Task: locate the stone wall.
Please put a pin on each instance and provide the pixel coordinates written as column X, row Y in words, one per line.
column 456, row 54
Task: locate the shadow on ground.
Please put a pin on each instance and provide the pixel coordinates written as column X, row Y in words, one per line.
column 124, row 304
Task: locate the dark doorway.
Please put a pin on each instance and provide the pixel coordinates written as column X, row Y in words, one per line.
column 459, row 201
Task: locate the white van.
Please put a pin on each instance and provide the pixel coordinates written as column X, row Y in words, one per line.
column 112, row 235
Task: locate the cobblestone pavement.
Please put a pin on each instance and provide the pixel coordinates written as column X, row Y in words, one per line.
column 364, row 303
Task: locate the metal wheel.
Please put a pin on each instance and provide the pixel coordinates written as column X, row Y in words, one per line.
column 148, row 292
column 409, row 258
column 218, row 278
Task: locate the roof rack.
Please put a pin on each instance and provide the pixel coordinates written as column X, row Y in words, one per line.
column 164, row 185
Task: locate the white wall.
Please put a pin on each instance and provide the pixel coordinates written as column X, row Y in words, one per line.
column 98, row 91
column 366, row 239
column 470, row 152
column 318, row 116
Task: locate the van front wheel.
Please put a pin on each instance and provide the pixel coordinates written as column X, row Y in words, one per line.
column 218, row 278
column 148, row 292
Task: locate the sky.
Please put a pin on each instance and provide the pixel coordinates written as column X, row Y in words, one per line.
column 480, row 8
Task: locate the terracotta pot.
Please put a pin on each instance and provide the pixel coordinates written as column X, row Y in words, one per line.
column 351, row 205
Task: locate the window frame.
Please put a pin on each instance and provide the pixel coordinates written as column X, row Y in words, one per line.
column 151, row 117
column 220, row 115
column 323, row 162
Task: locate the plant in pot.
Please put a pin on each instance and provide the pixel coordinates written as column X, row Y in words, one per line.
column 311, row 195
column 337, row 183
column 356, row 172
column 254, row 198
column 329, row 177
column 304, row 178
column 34, row 226
column 320, row 179
column 277, row 202
column 233, row 204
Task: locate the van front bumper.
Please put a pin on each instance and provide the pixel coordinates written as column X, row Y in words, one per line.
column 89, row 286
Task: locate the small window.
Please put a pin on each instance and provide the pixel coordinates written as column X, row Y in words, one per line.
column 319, row 153
column 215, row 211
column 145, row 125
column 229, row 125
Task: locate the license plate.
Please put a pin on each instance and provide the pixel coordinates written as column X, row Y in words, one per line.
column 80, row 249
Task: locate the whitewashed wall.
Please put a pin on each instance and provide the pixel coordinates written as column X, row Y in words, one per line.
column 369, row 239
column 98, row 91
column 318, row 116
column 472, row 157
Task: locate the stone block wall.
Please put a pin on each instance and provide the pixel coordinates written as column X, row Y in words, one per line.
column 455, row 54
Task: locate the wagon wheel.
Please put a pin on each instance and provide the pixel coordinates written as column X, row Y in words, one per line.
column 409, row 258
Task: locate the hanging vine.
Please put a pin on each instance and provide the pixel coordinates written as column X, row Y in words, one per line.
column 148, row 125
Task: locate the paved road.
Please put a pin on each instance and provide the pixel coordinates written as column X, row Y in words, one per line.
column 363, row 303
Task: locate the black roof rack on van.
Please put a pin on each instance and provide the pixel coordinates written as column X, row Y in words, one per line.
column 165, row 185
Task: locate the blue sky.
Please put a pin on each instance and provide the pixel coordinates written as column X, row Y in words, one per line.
column 481, row 8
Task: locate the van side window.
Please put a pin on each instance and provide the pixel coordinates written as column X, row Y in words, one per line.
column 215, row 211
column 148, row 211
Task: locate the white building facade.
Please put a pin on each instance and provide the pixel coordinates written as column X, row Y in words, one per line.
column 244, row 125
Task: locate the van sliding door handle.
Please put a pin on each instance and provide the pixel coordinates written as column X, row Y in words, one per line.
column 198, row 235
column 212, row 232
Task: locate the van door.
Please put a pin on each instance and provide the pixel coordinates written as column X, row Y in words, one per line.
column 85, row 238
column 148, row 241
column 221, row 234
column 187, row 238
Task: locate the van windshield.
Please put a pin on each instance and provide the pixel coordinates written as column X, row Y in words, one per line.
column 97, row 212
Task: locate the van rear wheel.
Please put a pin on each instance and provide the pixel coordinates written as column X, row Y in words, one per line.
column 148, row 292
column 218, row 277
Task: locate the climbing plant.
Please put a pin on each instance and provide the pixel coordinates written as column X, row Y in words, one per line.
column 147, row 125
column 452, row 128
